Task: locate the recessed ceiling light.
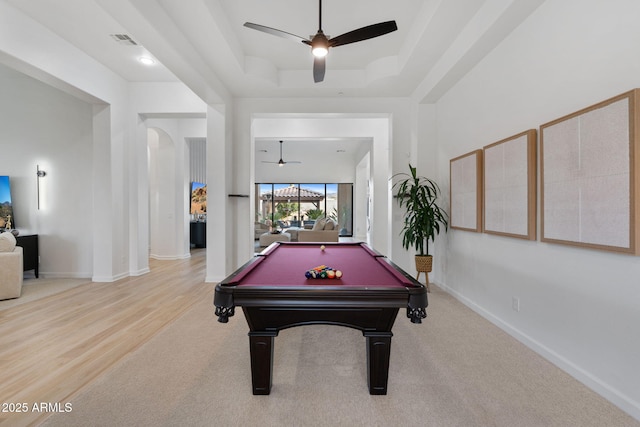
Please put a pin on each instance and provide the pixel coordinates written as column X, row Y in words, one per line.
column 146, row 60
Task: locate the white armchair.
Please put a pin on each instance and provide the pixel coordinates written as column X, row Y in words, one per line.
column 11, row 267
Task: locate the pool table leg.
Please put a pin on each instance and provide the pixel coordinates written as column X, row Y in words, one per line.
column 378, row 354
column 261, row 350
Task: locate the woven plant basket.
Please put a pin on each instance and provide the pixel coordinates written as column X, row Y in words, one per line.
column 424, row 263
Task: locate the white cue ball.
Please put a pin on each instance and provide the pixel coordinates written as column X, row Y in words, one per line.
column 322, row 248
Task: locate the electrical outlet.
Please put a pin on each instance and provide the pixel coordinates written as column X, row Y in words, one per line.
column 515, row 303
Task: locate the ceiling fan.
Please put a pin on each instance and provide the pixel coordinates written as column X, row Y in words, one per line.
column 320, row 44
column 281, row 162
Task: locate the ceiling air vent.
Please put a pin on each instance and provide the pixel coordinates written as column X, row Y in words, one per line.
column 124, row 39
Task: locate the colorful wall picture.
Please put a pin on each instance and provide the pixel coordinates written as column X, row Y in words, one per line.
column 198, row 198
column 6, row 206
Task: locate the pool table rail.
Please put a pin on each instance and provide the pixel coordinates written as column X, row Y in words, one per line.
column 319, row 297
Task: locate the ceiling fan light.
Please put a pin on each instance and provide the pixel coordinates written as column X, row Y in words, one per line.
column 320, row 45
column 319, row 51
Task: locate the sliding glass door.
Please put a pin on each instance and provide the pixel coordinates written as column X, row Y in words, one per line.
column 300, row 205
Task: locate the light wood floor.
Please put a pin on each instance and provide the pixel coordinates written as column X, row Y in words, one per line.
column 53, row 347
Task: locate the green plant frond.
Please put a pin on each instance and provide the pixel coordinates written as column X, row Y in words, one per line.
column 423, row 218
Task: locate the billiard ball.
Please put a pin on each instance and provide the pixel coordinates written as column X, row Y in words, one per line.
column 338, row 274
column 322, row 247
column 331, row 274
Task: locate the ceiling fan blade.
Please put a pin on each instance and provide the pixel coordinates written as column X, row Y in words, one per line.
column 319, row 67
column 364, row 33
column 281, row 162
column 278, row 33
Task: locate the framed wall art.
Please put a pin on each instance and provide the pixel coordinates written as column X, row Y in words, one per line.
column 510, row 186
column 466, row 191
column 589, row 176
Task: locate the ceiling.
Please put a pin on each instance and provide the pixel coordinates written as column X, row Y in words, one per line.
column 204, row 43
column 306, row 149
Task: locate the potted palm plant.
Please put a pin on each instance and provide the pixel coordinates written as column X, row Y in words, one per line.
column 423, row 218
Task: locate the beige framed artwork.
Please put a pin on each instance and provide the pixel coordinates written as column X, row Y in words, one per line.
column 589, row 176
column 466, row 191
column 510, row 186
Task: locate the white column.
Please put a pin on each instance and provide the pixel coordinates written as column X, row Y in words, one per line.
column 218, row 165
column 139, row 201
column 104, row 262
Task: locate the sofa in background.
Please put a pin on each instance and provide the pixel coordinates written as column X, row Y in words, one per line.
column 11, row 267
column 324, row 230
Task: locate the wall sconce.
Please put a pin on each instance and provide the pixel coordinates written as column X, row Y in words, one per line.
column 39, row 174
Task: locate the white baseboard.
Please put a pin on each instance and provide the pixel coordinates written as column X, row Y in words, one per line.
column 109, row 279
column 614, row 396
column 140, row 272
column 214, row 279
column 170, row 257
column 58, row 275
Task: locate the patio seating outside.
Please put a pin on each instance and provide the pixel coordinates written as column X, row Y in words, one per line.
column 302, row 212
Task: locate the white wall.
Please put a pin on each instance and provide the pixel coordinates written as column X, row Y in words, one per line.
column 578, row 307
column 115, row 153
column 22, row 45
column 40, row 125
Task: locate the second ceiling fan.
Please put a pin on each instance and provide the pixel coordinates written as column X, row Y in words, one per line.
column 320, row 44
column 281, row 162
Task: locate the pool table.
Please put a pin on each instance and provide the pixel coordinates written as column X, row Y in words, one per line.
column 275, row 294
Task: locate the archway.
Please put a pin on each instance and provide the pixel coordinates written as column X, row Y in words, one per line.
column 163, row 236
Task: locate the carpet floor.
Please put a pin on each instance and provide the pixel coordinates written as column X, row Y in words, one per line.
column 455, row 369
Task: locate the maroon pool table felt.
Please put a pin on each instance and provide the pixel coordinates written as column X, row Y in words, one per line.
column 285, row 264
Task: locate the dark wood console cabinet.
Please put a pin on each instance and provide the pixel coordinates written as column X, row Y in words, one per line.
column 199, row 234
column 31, row 256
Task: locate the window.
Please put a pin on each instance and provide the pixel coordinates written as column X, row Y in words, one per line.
column 299, row 205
